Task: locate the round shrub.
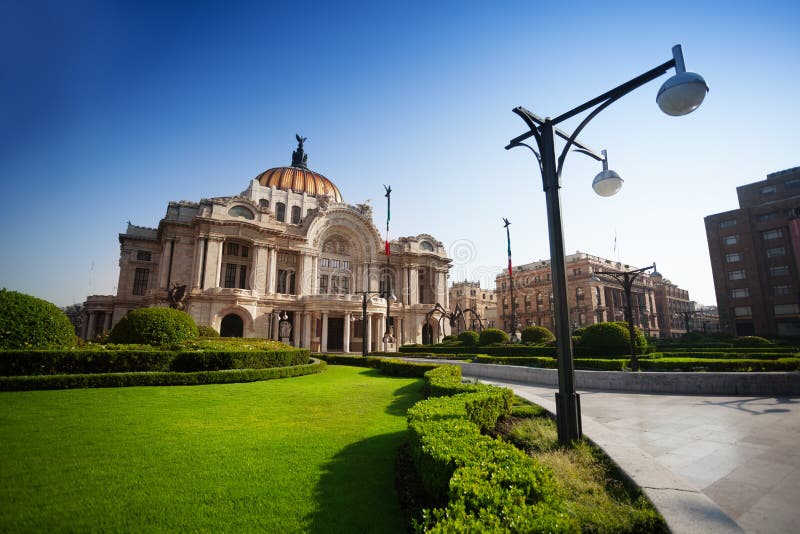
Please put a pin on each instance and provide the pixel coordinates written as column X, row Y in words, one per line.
column 469, row 338
column 492, row 335
column 28, row 322
column 751, row 341
column 608, row 339
column 537, row 334
column 449, row 337
column 154, row 326
column 206, row 331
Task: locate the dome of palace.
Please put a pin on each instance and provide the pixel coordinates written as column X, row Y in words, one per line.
column 299, row 178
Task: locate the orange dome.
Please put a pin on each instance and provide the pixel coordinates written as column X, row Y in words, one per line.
column 298, row 177
column 299, row 180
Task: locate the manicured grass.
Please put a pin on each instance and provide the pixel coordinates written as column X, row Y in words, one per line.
column 312, row 454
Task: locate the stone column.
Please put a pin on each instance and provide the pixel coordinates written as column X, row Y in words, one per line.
column 413, row 295
column 314, row 275
column 198, row 262
column 275, row 327
column 259, row 269
column 298, row 323
column 324, row 339
column 405, row 292
column 379, row 337
column 213, row 262
column 107, row 322
column 347, row 319
column 219, row 277
column 366, row 331
column 92, row 331
column 300, row 283
column 272, row 273
column 365, row 277
column 163, row 265
column 306, row 330
column 399, row 334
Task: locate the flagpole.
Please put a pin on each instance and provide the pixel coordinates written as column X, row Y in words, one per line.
column 387, row 337
column 511, row 282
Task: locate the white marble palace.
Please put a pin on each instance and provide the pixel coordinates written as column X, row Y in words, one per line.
column 288, row 248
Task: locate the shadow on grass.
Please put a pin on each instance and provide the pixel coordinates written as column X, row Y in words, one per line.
column 356, row 490
column 404, row 397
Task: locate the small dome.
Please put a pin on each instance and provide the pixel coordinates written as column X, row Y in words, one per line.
column 299, row 178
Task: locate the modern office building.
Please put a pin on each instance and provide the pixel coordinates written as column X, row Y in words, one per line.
column 287, row 250
column 755, row 257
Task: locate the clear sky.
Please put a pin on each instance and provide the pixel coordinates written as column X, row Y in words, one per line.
column 108, row 110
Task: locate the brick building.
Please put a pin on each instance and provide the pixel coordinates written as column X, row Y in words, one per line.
column 470, row 295
column 755, row 258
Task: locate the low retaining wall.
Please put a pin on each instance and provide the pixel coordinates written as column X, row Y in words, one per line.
column 774, row 384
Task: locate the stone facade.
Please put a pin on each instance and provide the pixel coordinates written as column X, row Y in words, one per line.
column 469, row 295
column 273, row 252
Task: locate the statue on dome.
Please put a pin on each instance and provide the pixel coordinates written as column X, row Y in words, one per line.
column 299, row 157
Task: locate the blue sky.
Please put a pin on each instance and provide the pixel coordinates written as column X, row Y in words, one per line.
column 110, row 110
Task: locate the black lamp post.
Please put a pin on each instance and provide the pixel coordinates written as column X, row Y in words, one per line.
column 626, row 280
column 679, row 95
column 387, row 336
column 364, row 330
column 687, row 316
column 511, row 283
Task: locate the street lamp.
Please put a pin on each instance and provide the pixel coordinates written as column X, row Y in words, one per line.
column 387, row 336
column 511, row 282
column 364, row 330
column 681, row 94
column 626, row 280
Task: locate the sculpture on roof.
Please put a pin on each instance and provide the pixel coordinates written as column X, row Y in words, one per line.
column 299, row 157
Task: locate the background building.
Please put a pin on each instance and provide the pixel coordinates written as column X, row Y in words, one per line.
column 672, row 306
column 469, row 295
column 755, row 255
column 589, row 301
column 286, row 246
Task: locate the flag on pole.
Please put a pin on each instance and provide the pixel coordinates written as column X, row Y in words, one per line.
column 508, row 235
column 388, row 214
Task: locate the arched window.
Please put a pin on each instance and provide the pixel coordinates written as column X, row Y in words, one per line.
column 295, row 214
column 425, row 245
column 263, row 203
column 335, row 271
column 280, row 211
column 241, row 211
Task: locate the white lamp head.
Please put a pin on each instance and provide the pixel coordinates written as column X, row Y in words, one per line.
column 607, row 183
column 684, row 92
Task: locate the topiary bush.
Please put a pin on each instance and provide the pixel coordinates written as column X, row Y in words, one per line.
column 449, row 337
column 492, row 335
column 206, row 331
column 154, row 326
column 469, row 338
column 537, row 334
column 751, row 341
column 28, row 322
column 604, row 339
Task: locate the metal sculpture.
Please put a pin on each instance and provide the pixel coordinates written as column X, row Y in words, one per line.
column 453, row 317
column 177, row 297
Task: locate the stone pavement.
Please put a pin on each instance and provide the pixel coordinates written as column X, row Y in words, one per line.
column 743, row 453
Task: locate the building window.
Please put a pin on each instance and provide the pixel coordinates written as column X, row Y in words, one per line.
column 793, row 184
column 779, row 270
column 576, row 271
column 768, row 189
column 346, row 285
column 764, row 217
column 323, row 283
column 731, row 240
column 787, row 309
column 579, row 294
column 140, row 281
column 743, row 311
column 232, row 249
column 324, row 262
column 730, row 223
column 782, row 290
column 734, row 257
column 263, row 203
column 358, row 328
column 285, row 282
column 740, row 293
column 280, row 211
column 144, row 255
column 241, row 211
column 736, row 275
column 295, row 214
column 472, row 293
column 772, row 234
column 776, row 252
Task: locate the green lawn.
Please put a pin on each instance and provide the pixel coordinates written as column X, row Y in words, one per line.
column 313, row 453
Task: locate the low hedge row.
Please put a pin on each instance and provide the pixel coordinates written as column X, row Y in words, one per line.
column 722, row 355
column 72, row 361
column 719, row 365
column 502, row 350
column 109, row 380
column 388, row 366
column 601, row 364
column 483, row 484
column 733, row 350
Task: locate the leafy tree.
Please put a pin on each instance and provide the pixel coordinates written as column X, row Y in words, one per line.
column 29, row 322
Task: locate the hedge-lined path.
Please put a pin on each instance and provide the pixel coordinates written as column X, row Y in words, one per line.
column 740, row 452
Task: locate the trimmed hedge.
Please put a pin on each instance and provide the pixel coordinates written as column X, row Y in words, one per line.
column 75, row 361
column 154, row 326
column 529, row 361
column 29, row 322
column 388, row 366
column 536, row 334
column 720, row 365
column 504, row 350
column 492, row 335
column 483, row 484
column 110, row 380
column 723, row 355
column 469, row 338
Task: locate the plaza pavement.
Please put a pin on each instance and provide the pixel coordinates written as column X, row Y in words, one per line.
column 698, row 455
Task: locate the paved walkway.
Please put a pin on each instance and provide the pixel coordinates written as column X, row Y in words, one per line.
column 743, row 453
